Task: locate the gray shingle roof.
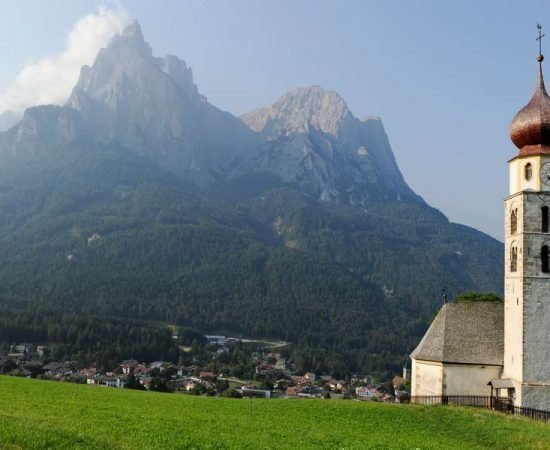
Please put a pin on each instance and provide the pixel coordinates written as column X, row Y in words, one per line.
column 465, row 332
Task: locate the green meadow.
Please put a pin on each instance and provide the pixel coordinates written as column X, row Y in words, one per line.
column 44, row 414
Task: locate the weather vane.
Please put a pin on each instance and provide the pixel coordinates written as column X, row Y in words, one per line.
column 540, row 57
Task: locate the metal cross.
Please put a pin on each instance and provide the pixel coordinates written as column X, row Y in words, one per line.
column 539, row 26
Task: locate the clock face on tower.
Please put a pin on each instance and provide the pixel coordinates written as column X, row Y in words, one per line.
column 545, row 173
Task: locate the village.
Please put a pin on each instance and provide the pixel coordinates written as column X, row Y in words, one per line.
column 200, row 373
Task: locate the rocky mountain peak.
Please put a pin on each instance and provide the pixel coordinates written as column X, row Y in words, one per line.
column 133, row 31
column 152, row 107
column 301, row 110
column 131, row 38
column 312, row 139
column 133, row 98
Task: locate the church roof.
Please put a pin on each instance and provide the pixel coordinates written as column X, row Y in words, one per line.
column 465, row 332
column 530, row 129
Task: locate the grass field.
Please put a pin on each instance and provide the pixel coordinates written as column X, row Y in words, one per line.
column 44, row 414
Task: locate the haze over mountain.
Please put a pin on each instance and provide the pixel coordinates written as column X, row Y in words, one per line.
column 140, row 199
column 152, row 106
column 313, row 139
column 8, row 119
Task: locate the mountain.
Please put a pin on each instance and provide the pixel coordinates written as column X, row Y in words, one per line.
column 149, row 106
column 139, row 199
column 312, row 139
column 152, row 106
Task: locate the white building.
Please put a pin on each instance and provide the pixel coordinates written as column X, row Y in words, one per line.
column 104, row 380
column 447, row 360
column 461, row 351
column 526, row 374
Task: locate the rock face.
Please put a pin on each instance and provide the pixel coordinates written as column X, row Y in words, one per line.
column 151, row 106
column 42, row 128
column 311, row 138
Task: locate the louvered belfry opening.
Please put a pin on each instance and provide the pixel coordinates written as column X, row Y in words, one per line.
column 514, row 221
column 514, row 260
column 544, row 221
column 544, row 258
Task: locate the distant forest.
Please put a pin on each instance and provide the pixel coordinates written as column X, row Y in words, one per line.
column 93, row 244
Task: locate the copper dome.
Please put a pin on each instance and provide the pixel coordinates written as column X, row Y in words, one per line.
column 530, row 129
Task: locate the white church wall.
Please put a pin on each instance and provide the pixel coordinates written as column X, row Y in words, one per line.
column 469, row 379
column 513, row 328
column 517, row 179
column 427, row 378
column 513, row 289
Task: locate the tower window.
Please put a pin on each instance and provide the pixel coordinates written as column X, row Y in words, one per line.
column 528, row 171
column 544, row 258
column 544, row 211
column 514, row 221
column 514, row 260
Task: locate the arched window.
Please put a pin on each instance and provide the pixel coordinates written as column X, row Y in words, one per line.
column 514, row 221
column 514, row 259
column 544, row 258
column 544, row 211
column 528, row 171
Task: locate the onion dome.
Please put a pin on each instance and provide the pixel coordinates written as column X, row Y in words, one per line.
column 530, row 129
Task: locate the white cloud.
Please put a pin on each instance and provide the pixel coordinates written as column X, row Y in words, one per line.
column 51, row 79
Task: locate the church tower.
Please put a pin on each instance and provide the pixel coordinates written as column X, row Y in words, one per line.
column 527, row 244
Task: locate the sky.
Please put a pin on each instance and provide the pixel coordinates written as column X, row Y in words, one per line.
column 445, row 77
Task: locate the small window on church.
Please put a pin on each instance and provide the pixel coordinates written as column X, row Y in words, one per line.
column 514, row 260
column 544, row 211
column 514, row 221
column 544, row 259
column 528, row 171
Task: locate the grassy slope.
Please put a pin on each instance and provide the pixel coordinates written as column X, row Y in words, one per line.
column 41, row 414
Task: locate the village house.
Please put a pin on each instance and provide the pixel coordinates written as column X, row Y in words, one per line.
column 89, row 372
column 207, row 374
column 106, row 380
column 59, row 369
column 161, row 365
column 310, row 376
column 337, row 385
column 128, row 366
column 293, row 391
column 367, row 393
column 25, row 348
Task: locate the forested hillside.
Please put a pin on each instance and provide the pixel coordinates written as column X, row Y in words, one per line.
column 108, row 234
column 139, row 200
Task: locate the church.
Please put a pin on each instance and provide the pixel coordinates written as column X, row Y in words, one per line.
column 500, row 348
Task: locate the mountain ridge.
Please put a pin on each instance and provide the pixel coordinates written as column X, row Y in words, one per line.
column 152, row 106
column 140, row 199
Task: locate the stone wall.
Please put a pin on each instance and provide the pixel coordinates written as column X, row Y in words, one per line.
column 527, row 302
